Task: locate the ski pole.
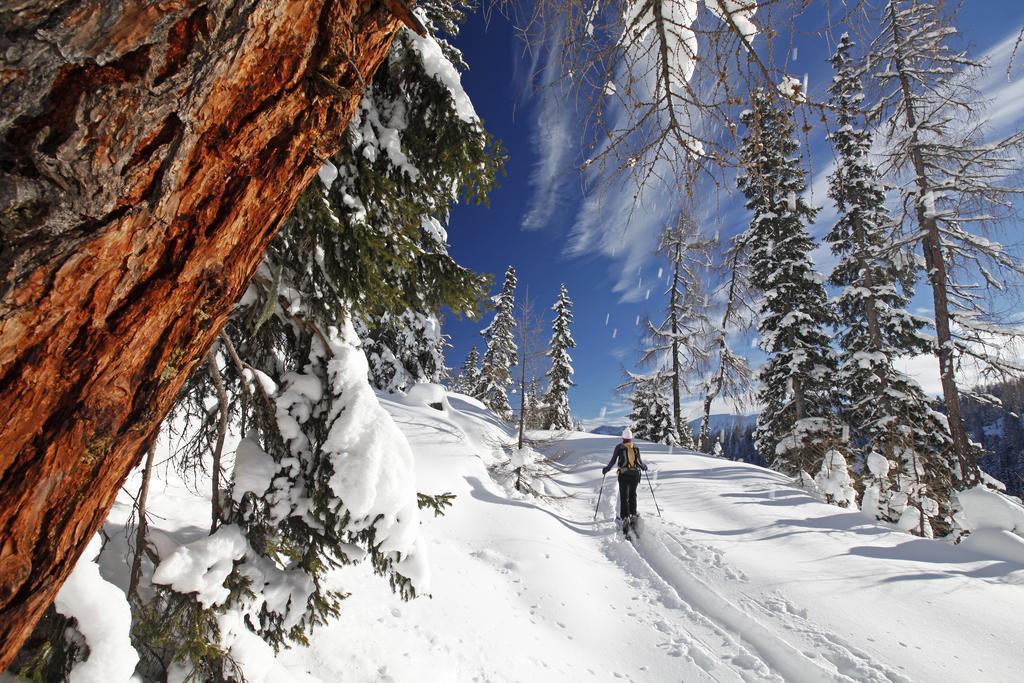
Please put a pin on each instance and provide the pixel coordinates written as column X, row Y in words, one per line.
column 652, row 493
column 599, row 495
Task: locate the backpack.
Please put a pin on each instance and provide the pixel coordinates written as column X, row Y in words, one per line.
column 630, row 461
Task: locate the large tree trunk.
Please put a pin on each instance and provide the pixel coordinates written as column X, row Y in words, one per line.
column 148, row 153
column 935, row 265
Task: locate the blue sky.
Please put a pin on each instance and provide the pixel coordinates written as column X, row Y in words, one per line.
column 541, row 221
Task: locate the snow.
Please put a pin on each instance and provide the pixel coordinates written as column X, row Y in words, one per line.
column 740, row 13
column 103, row 617
column 328, row 173
column 984, row 508
column 745, row 578
column 202, row 566
column 254, row 468
column 437, row 66
column 372, row 460
column 793, row 88
column 427, row 394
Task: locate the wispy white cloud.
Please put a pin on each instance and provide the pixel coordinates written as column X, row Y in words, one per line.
column 552, row 137
column 620, row 220
column 1003, row 92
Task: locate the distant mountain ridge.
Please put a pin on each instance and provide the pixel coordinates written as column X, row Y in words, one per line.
column 717, row 423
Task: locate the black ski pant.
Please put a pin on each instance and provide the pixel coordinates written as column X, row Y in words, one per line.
column 628, row 481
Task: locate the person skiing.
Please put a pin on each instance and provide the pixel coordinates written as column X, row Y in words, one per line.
column 627, row 458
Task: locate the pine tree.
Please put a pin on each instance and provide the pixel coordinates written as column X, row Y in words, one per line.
column 959, row 183
column 677, row 344
column 556, row 400
column 182, row 166
column 796, row 425
column 403, row 349
column 365, row 243
column 500, row 356
column 906, row 455
column 535, row 409
column 685, row 437
column 468, row 378
column 651, row 417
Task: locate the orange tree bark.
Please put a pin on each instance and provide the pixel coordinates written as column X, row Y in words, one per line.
column 149, row 150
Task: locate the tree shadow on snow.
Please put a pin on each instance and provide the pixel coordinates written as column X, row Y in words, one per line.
column 724, row 473
column 584, row 528
column 840, row 523
column 927, row 551
column 774, row 497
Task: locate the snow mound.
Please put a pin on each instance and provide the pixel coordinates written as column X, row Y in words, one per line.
column 374, row 474
column 984, row 508
column 1003, row 545
column 103, row 617
column 430, row 395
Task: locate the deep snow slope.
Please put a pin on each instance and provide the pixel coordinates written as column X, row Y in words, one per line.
column 744, row 577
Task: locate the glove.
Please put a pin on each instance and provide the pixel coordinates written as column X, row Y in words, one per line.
column 643, row 467
column 604, row 470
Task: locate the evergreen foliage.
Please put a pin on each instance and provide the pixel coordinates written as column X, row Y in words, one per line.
column 468, row 379
column 500, row 356
column 535, row 410
column 556, row 400
column 651, row 417
column 905, row 447
column 997, row 423
column 403, row 349
column 796, row 426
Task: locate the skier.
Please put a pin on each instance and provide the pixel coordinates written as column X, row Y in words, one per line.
column 627, row 458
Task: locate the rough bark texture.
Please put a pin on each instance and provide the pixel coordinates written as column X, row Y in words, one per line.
column 148, row 153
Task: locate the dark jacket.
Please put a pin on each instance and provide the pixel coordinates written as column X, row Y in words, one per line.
column 619, row 458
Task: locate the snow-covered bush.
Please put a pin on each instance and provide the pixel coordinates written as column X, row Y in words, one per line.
column 426, row 394
column 834, row 480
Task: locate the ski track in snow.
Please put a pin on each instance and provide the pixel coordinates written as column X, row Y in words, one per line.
column 688, row 568
column 702, row 611
column 537, row 590
column 731, row 641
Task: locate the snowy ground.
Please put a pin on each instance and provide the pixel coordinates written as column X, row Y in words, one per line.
column 743, row 578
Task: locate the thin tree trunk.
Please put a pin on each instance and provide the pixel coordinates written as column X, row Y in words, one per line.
column 712, row 394
column 142, row 526
column 677, row 411
column 522, row 398
column 523, row 356
column 936, row 266
column 240, row 369
column 222, row 432
column 148, row 154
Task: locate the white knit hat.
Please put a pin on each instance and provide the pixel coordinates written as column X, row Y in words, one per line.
column 627, row 433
